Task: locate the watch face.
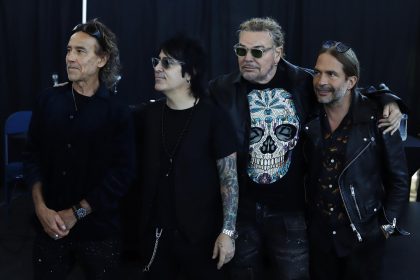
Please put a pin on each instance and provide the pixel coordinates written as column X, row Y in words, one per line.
column 81, row 213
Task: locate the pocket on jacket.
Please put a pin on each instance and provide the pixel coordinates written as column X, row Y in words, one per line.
column 372, row 208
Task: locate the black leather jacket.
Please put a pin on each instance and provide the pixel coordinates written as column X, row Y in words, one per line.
column 374, row 180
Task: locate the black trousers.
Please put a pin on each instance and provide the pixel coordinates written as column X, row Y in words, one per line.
column 54, row 259
column 271, row 245
column 364, row 263
column 177, row 258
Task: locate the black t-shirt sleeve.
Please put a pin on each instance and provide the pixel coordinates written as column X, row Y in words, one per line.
column 223, row 138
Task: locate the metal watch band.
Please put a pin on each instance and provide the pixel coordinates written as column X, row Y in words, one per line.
column 230, row 232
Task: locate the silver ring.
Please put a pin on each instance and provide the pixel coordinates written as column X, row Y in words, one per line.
column 56, row 236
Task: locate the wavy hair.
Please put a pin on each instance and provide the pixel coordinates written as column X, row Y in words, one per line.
column 264, row 24
column 107, row 42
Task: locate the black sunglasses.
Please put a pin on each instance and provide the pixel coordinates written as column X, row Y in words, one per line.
column 339, row 46
column 255, row 52
column 92, row 30
column 166, row 62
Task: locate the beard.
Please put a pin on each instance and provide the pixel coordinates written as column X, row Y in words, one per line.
column 330, row 96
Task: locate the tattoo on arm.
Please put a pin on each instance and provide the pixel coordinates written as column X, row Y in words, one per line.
column 229, row 189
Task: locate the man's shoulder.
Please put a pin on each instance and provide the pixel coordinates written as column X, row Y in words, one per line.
column 54, row 91
column 296, row 70
column 225, row 79
column 150, row 107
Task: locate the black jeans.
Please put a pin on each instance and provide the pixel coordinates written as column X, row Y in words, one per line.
column 178, row 258
column 363, row 263
column 54, row 259
column 271, row 245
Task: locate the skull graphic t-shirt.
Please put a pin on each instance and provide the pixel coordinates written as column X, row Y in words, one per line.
column 273, row 134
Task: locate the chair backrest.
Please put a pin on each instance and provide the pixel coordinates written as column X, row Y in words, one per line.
column 16, row 123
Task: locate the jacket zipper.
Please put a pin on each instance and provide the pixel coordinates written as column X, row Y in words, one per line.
column 353, row 194
column 353, row 227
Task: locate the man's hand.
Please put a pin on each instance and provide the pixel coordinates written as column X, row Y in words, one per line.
column 391, row 118
column 68, row 218
column 52, row 223
column 225, row 248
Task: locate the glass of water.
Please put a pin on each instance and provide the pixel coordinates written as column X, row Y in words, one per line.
column 403, row 127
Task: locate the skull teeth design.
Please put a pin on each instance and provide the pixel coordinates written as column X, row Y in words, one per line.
column 268, row 165
column 274, row 134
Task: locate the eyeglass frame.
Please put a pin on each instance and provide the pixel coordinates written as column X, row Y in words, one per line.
column 262, row 50
column 97, row 34
column 170, row 61
column 339, row 46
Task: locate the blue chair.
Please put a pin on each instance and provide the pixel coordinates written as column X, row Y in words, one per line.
column 15, row 127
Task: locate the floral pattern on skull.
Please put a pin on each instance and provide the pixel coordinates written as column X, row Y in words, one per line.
column 273, row 135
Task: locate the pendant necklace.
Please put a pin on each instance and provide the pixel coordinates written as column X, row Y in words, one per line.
column 171, row 154
column 74, row 99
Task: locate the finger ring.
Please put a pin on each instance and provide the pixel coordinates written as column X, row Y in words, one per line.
column 56, row 236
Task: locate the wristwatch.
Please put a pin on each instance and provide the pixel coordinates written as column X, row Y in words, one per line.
column 79, row 212
column 231, row 233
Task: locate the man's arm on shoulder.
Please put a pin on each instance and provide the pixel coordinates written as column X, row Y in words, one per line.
column 392, row 107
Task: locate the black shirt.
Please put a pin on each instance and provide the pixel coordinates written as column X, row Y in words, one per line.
column 86, row 153
column 196, row 197
column 175, row 126
column 274, row 117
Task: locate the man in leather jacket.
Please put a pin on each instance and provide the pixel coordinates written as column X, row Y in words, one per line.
column 267, row 101
column 358, row 179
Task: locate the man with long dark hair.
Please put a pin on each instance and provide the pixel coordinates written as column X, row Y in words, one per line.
column 79, row 161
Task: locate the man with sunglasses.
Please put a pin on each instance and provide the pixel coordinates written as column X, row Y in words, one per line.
column 268, row 101
column 358, row 181
column 187, row 172
column 79, row 161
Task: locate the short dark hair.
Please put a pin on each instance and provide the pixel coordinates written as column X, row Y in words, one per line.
column 107, row 42
column 191, row 53
column 345, row 55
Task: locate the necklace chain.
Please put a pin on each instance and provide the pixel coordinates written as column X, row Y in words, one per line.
column 74, row 99
column 171, row 154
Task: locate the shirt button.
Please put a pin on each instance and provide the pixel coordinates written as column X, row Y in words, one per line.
column 372, row 117
column 332, row 160
column 331, row 209
column 330, row 186
column 365, row 139
column 372, row 139
column 334, row 232
column 374, row 210
column 71, row 117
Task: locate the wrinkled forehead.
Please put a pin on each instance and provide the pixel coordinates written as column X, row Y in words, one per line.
column 255, row 39
column 83, row 40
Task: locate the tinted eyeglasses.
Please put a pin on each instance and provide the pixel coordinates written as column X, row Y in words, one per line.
column 92, row 30
column 339, row 46
column 166, row 62
column 255, row 52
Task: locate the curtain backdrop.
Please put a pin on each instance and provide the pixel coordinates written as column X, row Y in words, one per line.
column 384, row 33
